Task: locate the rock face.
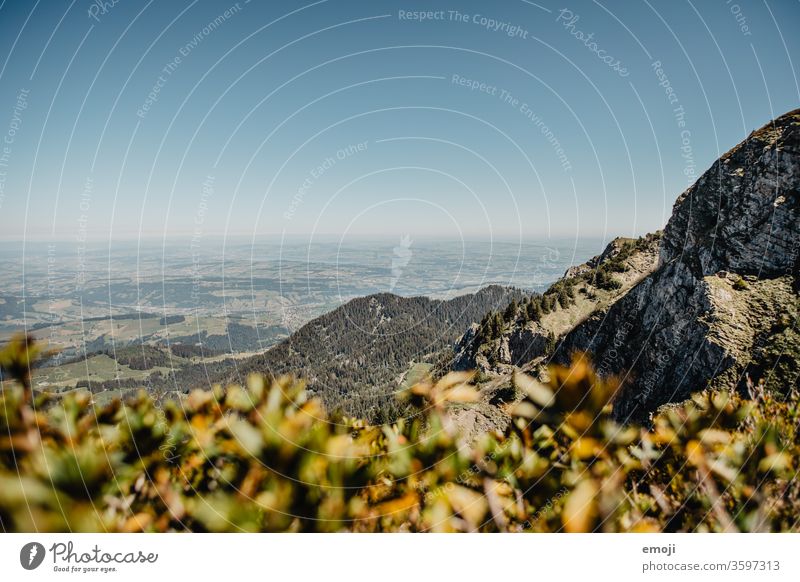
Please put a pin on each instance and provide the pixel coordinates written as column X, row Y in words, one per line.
column 725, row 290
column 742, row 214
column 524, row 341
column 711, row 303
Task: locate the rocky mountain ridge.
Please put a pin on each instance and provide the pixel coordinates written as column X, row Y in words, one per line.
column 525, row 333
column 721, row 310
column 711, row 303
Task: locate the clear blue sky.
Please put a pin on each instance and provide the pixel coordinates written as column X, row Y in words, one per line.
column 173, row 118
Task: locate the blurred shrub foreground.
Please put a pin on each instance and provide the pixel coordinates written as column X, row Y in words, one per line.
column 265, row 457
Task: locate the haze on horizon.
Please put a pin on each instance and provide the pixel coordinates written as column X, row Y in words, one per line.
column 512, row 121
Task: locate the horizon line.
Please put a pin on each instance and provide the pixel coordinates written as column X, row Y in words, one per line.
column 277, row 237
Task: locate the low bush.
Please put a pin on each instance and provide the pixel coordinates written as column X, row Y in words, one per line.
column 266, row 457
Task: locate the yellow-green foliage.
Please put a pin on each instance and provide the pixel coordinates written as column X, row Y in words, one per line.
column 266, row 458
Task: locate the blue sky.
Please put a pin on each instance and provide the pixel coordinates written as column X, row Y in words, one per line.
column 509, row 119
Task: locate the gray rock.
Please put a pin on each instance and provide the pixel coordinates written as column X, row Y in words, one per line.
column 685, row 327
column 524, row 342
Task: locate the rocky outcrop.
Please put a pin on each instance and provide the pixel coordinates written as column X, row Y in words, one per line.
column 713, row 303
column 590, row 288
column 742, row 214
column 614, row 249
column 725, row 287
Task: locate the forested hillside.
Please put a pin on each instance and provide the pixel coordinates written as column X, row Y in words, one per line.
column 355, row 357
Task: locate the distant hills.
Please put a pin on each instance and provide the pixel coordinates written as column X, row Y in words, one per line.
column 710, row 302
column 356, row 356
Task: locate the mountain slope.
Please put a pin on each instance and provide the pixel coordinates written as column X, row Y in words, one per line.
column 355, row 356
column 711, row 303
column 525, row 334
column 723, row 303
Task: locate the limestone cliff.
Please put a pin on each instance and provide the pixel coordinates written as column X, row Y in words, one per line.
column 711, row 303
column 722, row 305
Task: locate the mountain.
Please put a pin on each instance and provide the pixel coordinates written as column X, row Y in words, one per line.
column 713, row 302
column 710, row 302
column 722, row 306
column 525, row 333
column 356, row 356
